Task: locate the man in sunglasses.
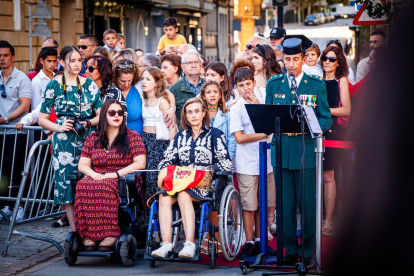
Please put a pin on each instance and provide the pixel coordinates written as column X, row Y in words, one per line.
column 281, row 89
column 87, row 43
column 251, row 44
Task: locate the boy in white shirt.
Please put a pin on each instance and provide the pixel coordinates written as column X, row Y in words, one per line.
column 311, row 58
column 49, row 60
column 247, row 161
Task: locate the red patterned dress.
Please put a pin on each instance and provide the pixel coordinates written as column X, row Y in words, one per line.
column 97, row 201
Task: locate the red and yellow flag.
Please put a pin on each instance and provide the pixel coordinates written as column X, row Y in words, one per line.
column 180, row 178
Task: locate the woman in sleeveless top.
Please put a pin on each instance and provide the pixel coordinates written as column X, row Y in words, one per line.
column 335, row 69
column 154, row 109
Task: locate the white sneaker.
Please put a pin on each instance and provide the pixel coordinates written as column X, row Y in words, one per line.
column 20, row 214
column 188, row 251
column 162, row 251
column 6, row 211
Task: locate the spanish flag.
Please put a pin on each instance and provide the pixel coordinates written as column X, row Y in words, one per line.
column 179, row 178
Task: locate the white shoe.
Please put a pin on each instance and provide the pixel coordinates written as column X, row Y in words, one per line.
column 20, row 214
column 6, row 211
column 162, row 251
column 188, row 251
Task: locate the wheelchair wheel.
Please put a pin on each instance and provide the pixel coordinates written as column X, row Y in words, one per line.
column 213, row 256
column 128, row 251
column 230, row 223
column 71, row 246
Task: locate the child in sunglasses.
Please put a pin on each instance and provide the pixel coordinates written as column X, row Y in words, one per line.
column 311, row 66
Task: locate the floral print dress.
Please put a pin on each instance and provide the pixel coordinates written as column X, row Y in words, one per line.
column 67, row 146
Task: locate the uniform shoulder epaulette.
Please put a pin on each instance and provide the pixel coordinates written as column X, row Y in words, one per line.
column 276, row 77
column 315, row 77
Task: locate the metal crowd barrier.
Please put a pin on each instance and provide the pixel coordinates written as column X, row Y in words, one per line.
column 36, row 186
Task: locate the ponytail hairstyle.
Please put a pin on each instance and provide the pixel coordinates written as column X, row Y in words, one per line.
column 66, row 54
column 160, row 87
column 270, row 64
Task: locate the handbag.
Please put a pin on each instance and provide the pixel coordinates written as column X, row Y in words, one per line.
column 161, row 129
column 341, row 120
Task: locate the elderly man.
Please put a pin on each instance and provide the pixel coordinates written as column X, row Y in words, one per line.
column 377, row 39
column 253, row 41
column 184, row 48
column 87, row 43
column 276, row 37
column 188, row 86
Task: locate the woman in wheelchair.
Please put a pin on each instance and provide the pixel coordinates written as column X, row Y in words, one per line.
column 108, row 154
column 196, row 146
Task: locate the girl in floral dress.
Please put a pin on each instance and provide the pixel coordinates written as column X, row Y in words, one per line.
column 72, row 97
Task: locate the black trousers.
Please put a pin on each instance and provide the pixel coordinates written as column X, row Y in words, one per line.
column 7, row 153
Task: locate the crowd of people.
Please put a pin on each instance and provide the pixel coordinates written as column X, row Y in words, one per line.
column 111, row 109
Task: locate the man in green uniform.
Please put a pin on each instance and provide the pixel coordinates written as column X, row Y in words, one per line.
column 311, row 91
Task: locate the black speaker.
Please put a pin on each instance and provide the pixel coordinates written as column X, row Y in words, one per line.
column 280, row 2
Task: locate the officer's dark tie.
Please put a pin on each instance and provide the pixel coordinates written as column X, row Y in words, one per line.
column 293, row 85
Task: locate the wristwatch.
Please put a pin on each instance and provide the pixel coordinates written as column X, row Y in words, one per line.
column 6, row 121
column 173, row 106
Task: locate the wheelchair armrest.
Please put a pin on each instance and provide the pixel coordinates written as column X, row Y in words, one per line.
column 76, row 176
column 222, row 173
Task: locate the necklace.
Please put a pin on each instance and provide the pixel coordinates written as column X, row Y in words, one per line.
column 212, row 108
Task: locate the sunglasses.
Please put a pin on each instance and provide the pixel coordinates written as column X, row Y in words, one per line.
column 112, row 113
column 3, row 91
column 331, row 59
column 336, row 41
column 249, row 47
column 84, row 47
column 90, row 68
column 126, row 68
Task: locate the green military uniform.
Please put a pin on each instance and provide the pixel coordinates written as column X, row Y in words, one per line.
column 311, row 92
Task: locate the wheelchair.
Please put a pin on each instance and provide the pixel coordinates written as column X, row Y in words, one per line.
column 226, row 200
column 126, row 246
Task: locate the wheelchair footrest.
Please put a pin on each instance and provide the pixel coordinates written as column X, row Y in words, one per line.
column 196, row 258
column 153, row 244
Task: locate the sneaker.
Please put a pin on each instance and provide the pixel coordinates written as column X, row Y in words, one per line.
column 249, row 249
column 162, row 251
column 188, row 251
column 6, row 211
column 20, row 214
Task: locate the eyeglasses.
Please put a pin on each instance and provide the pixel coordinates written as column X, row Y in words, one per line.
column 192, row 63
column 3, row 91
column 331, row 59
column 249, row 47
column 84, row 47
column 126, row 67
column 336, row 41
column 112, row 113
column 90, row 68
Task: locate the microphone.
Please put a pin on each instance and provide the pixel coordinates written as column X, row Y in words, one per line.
column 293, row 81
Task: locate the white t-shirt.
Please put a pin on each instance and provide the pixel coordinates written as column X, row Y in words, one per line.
column 246, row 160
column 313, row 70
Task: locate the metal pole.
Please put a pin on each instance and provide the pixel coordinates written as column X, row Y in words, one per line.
column 263, row 197
column 319, row 149
column 280, row 16
column 30, row 35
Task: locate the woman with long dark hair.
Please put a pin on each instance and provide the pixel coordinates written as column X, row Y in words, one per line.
column 108, row 154
column 99, row 69
column 75, row 100
column 265, row 65
column 335, row 67
column 217, row 71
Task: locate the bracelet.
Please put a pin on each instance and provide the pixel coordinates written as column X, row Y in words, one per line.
column 173, row 106
column 117, row 174
column 88, row 123
column 103, row 174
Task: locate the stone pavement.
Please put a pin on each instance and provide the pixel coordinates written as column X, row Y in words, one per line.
column 23, row 252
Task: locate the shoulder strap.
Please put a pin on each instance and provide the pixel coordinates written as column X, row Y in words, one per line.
column 158, row 108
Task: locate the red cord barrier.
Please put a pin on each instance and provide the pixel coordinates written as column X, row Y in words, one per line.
column 338, row 144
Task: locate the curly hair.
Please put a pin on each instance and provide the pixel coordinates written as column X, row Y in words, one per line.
column 221, row 69
column 270, row 64
column 222, row 102
column 175, row 61
column 240, row 64
column 161, row 87
column 104, row 66
column 342, row 69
